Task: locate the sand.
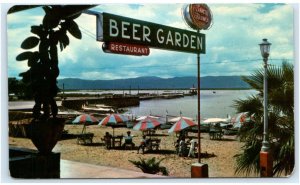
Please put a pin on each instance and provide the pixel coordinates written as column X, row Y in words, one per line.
column 220, row 158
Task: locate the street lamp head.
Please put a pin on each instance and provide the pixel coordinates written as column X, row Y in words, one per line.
column 265, row 48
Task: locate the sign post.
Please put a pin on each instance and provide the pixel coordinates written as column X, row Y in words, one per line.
column 198, row 16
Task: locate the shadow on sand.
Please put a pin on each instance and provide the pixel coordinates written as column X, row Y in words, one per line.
column 227, row 139
column 93, row 144
column 164, row 152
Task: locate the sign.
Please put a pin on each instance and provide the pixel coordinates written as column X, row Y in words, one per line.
column 197, row 16
column 132, row 31
column 127, row 49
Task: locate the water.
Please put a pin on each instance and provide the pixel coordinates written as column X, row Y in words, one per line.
column 217, row 104
column 133, row 92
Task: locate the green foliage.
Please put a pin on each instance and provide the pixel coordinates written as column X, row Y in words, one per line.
column 24, row 56
column 151, row 166
column 42, row 75
column 280, row 119
column 30, row 43
column 73, row 29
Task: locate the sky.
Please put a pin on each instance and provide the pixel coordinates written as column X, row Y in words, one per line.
column 231, row 43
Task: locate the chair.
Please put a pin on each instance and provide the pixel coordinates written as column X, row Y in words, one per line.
column 156, row 144
column 107, row 141
column 128, row 143
column 86, row 138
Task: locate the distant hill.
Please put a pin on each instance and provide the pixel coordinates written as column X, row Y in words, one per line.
column 151, row 82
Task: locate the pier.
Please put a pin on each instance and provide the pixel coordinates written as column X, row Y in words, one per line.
column 120, row 101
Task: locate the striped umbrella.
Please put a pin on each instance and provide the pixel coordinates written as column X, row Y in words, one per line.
column 147, row 123
column 113, row 120
column 84, row 119
column 241, row 118
column 181, row 124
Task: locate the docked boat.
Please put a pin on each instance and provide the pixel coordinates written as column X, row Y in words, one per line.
column 98, row 108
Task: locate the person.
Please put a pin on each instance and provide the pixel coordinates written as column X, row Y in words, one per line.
column 107, row 140
column 143, row 144
column 128, row 140
column 192, row 148
column 176, row 144
column 182, row 147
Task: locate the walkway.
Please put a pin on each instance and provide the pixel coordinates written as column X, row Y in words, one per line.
column 72, row 169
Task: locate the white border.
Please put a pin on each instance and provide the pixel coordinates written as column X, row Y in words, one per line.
column 294, row 179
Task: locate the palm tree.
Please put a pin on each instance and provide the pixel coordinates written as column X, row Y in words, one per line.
column 280, row 119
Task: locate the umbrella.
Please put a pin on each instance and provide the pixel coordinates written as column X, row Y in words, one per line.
column 183, row 123
column 241, row 118
column 144, row 117
column 84, row 119
column 146, row 123
column 215, row 120
column 176, row 119
column 113, row 120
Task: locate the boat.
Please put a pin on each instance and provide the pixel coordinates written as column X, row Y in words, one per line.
column 193, row 91
column 97, row 108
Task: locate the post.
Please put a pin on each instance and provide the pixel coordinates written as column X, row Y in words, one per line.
column 265, row 143
column 199, row 170
column 63, row 90
column 166, row 116
column 266, row 161
column 198, row 106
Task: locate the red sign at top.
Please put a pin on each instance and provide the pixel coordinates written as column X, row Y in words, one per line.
column 200, row 15
column 127, row 49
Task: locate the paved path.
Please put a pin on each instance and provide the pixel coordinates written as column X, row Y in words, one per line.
column 72, row 169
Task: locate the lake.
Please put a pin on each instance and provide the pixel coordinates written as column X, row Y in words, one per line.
column 217, row 104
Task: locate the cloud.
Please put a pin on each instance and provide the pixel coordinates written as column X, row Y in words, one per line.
column 234, row 37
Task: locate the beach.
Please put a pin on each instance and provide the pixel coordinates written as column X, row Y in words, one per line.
column 219, row 154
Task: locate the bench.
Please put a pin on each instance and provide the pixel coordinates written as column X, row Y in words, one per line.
column 86, row 138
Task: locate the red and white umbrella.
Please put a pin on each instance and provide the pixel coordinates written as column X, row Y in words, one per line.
column 113, row 120
column 85, row 119
column 176, row 119
column 147, row 123
column 183, row 123
column 241, row 118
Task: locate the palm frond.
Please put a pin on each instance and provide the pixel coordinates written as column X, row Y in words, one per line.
column 151, row 165
column 280, row 119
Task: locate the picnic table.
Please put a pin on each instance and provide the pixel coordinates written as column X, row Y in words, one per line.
column 153, row 144
column 149, row 132
column 117, row 140
column 215, row 133
column 85, row 138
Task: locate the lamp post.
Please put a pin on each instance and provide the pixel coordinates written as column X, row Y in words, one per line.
column 266, row 162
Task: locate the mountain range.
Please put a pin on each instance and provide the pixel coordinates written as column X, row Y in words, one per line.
column 152, row 82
